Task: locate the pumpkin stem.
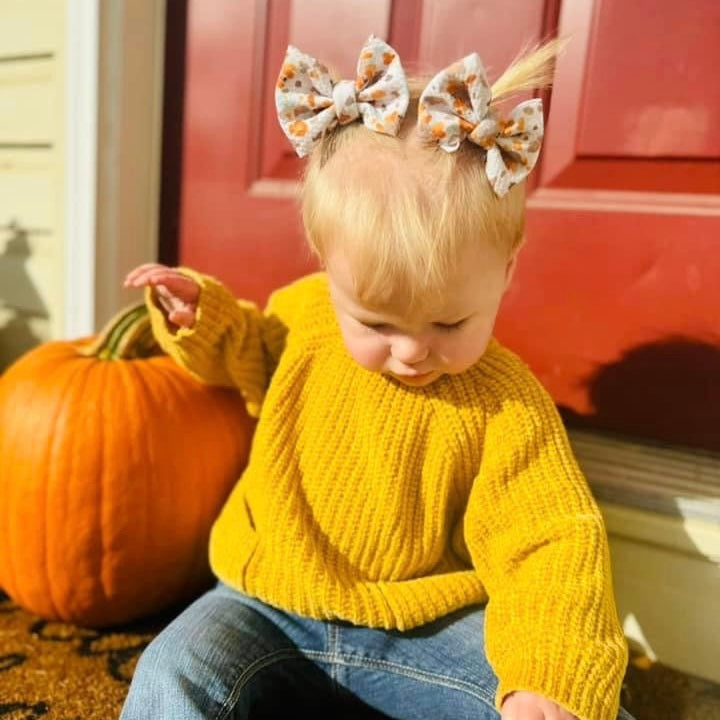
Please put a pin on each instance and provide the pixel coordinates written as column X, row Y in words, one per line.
column 126, row 336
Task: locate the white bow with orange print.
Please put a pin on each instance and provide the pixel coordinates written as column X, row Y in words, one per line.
column 456, row 105
column 309, row 102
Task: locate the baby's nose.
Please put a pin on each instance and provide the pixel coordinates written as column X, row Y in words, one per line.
column 409, row 350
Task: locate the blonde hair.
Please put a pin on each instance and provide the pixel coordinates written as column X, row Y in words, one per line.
column 404, row 212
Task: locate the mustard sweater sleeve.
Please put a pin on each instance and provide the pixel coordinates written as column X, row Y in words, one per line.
column 232, row 343
column 538, row 542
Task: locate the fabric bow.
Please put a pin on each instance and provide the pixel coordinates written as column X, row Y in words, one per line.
column 309, row 102
column 456, row 104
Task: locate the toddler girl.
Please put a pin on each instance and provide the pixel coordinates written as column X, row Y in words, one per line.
column 412, row 536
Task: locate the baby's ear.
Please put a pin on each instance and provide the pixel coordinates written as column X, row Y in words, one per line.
column 511, row 264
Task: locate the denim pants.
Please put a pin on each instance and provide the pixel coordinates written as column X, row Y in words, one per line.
column 231, row 656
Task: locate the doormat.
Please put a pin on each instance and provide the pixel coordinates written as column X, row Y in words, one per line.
column 56, row 671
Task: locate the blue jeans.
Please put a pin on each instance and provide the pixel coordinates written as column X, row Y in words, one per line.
column 231, row 656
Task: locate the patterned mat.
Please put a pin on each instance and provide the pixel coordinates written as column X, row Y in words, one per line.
column 62, row 672
column 56, row 671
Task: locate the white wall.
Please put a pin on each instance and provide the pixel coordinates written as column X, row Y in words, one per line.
column 32, row 163
column 80, row 124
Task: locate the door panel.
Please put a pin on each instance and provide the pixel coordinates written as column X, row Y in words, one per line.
column 239, row 216
column 650, row 93
column 617, row 303
column 621, row 262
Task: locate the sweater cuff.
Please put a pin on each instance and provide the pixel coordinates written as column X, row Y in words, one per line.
column 214, row 313
column 588, row 690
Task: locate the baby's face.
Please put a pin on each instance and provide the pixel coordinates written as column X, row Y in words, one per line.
column 418, row 349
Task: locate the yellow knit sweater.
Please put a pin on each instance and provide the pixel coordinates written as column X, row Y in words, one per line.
column 390, row 506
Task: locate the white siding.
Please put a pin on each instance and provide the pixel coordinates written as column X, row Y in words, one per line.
column 32, row 89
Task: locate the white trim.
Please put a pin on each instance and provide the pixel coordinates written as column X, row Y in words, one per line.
column 661, row 506
column 670, row 480
column 130, row 142
column 666, row 576
column 81, row 102
column 695, row 538
column 113, row 141
column 624, row 201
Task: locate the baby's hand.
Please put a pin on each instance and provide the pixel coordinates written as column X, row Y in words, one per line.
column 177, row 294
column 523, row 705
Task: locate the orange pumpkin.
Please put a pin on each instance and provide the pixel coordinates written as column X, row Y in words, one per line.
column 114, row 463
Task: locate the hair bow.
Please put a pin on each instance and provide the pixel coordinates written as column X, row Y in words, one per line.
column 456, row 104
column 309, row 102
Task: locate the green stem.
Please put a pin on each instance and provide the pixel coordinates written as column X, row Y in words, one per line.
column 127, row 336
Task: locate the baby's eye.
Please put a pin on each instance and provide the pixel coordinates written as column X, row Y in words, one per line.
column 450, row 326
column 374, row 326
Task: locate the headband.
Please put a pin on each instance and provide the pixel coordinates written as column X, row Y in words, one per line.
column 454, row 106
column 309, row 102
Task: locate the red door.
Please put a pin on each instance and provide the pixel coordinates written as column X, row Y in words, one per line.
column 616, row 300
column 239, row 214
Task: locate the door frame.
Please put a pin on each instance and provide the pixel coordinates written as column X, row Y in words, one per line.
column 113, row 140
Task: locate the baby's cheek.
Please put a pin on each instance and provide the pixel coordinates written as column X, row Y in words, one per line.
column 367, row 352
column 462, row 355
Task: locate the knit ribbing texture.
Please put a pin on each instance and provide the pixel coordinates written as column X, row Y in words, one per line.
column 389, row 506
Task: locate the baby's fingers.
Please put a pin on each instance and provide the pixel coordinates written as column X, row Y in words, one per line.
column 135, row 278
column 180, row 286
column 523, row 714
column 151, row 274
column 524, row 705
column 173, row 282
column 183, row 318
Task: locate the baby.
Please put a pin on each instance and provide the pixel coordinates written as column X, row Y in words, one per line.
column 412, row 536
